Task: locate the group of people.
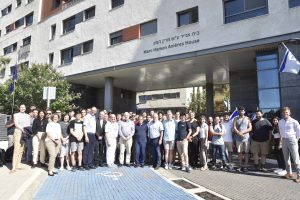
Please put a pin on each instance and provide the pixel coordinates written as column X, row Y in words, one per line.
column 90, row 138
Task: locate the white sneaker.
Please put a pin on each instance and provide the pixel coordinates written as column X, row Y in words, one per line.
column 282, row 173
column 61, row 168
column 183, row 168
column 166, row 166
column 69, row 168
column 170, row 166
column 277, row 170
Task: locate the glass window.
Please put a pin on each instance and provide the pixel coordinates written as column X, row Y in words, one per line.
column 267, row 79
column 267, row 64
column 116, row 37
column 157, row 96
column 116, row 3
column 7, row 50
column 51, row 58
column 69, row 25
column 8, row 28
column 89, row 13
column 19, row 2
column 55, row 4
column 268, row 56
column 67, row 56
column 294, row 3
column 27, row 41
column 19, row 23
column 187, row 17
column 236, row 10
column 88, row 46
column 29, row 19
column 149, row 28
column 53, row 32
column 269, row 98
column 14, row 46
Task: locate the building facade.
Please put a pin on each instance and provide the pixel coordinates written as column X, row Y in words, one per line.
column 112, row 49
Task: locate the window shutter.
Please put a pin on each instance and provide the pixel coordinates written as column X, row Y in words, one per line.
column 78, row 18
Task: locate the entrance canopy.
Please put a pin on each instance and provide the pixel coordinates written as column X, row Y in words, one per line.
column 175, row 72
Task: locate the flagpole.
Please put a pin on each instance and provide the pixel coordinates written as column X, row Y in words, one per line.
column 13, row 104
column 284, row 45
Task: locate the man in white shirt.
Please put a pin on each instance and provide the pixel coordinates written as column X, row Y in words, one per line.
column 89, row 130
column 156, row 134
column 289, row 130
column 111, row 134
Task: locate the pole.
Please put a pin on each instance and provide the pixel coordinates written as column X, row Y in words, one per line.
column 48, row 98
column 13, row 104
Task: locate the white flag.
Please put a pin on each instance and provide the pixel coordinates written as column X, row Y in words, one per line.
column 290, row 63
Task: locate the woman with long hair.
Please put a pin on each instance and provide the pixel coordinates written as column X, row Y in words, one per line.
column 203, row 142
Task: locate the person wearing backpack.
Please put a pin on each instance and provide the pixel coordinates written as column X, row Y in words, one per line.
column 183, row 134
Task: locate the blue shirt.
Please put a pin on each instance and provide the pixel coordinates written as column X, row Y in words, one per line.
column 170, row 127
column 141, row 131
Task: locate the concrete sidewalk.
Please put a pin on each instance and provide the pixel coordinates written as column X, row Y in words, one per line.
column 22, row 184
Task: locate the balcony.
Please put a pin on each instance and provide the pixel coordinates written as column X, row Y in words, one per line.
column 69, row 3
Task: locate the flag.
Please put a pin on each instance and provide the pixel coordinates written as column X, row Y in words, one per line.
column 11, row 88
column 234, row 114
column 15, row 73
column 290, row 63
column 253, row 117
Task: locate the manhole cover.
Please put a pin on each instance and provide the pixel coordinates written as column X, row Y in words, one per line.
column 208, row 196
column 185, row 184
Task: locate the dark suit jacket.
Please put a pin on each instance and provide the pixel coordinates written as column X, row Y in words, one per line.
column 100, row 131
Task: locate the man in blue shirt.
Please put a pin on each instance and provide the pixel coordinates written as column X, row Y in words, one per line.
column 141, row 132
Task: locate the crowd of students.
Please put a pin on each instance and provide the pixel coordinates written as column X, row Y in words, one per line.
column 90, row 138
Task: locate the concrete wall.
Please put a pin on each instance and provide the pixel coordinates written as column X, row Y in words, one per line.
column 243, row 89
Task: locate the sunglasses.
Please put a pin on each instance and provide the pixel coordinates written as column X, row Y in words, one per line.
column 49, row 113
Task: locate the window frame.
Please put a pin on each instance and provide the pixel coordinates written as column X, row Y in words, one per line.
column 117, row 37
column 190, row 12
column 29, row 16
column 118, row 3
column 297, row 4
column 71, row 56
column 90, row 43
column 89, row 10
column 64, row 31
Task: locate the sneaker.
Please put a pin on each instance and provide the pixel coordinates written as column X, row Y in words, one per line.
column 73, row 169
column 156, row 168
column 204, row 168
column 61, row 169
column 183, row 168
column 240, row 169
column 245, row 169
column 87, row 168
column 166, row 166
column 81, row 168
column 263, row 168
column 213, row 167
column 277, row 170
column 282, row 173
column 188, row 170
column 170, row 166
column 69, row 168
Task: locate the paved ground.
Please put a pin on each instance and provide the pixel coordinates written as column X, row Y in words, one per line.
column 242, row 186
column 110, row 184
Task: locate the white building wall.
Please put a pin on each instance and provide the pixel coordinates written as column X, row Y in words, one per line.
column 210, row 30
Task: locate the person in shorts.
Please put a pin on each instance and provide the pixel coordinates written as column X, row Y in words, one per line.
column 241, row 128
column 76, row 140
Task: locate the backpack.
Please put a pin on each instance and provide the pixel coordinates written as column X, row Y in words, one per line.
column 2, row 157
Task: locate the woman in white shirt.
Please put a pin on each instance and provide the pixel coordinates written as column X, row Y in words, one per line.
column 53, row 142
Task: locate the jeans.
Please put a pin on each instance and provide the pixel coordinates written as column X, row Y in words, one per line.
column 156, row 155
column 88, row 150
column 220, row 149
column 140, row 148
column 29, row 149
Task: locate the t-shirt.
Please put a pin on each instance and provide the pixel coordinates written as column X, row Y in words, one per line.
column 155, row 127
column 77, row 127
column 218, row 139
column 241, row 125
column 228, row 131
column 64, row 128
column 111, row 130
column 182, row 130
column 141, row 132
column 53, row 129
column 170, row 127
column 203, row 129
column 260, row 130
column 194, row 125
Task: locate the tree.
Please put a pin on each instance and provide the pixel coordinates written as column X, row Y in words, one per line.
column 29, row 89
column 198, row 102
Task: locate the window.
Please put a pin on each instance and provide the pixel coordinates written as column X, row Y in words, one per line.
column 157, row 96
column 67, row 56
column 0, row 33
column 116, row 37
column 19, row 2
column 116, row 3
column 29, row 19
column 294, row 3
column 172, row 95
column 236, row 10
column 6, row 10
column 148, row 28
column 19, row 23
column 14, row 47
column 88, row 46
column 52, row 31
column 27, row 41
column 187, row 17
column 89, row 13
column 268, row 81
column 69, row 25
column 51, row 57
column 55, row 4
column 8, row 29
column 7, row 50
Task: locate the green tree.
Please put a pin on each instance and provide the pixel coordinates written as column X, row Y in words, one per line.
column 198, row 101
column 29, row 89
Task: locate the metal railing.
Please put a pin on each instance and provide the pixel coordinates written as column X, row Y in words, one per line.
column 70, row 3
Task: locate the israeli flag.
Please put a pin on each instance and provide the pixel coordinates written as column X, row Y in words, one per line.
column 290, row 63
column 234, row 114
